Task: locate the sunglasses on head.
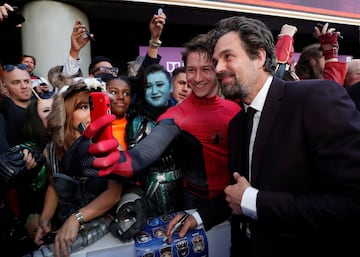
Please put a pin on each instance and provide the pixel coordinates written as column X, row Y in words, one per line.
column 11, row 67
column 104, row 69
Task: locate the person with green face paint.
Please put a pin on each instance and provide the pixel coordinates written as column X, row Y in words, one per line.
column 162, row 182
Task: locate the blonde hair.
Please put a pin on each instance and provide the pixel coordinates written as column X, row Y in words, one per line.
column 66, row 101
column 60, row 123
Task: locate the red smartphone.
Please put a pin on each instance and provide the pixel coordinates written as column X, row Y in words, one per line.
column 100, row 106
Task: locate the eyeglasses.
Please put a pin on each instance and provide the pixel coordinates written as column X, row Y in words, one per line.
column 11, row 67
column 112, row 70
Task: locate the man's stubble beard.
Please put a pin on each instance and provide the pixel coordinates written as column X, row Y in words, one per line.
column 233, row 90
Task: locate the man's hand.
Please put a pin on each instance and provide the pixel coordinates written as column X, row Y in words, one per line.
column 234, row 193
column 4, row 11
column 10, row 17
column 189, row 224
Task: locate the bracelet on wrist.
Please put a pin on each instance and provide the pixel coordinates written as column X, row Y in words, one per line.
column 80, row 219
column 155, row 44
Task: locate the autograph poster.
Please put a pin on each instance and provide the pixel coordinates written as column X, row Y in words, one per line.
column 149, row 242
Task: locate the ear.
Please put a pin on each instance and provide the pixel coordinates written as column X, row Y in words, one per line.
column 312, row 62
column 261, row 57
column 4, row 89
column 171, row 87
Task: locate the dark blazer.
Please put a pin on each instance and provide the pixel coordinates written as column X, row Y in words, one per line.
column 306, row 165
column 354, row 93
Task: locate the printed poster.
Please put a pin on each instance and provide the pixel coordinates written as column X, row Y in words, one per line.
column 149, row 242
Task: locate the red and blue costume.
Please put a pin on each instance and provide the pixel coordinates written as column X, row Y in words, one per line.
column 198, row 128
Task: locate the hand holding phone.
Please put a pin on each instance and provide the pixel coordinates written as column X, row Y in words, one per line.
column 87, row 33
column 321, row 27
column 99, row 106
column 160, row 11
column 14, row 18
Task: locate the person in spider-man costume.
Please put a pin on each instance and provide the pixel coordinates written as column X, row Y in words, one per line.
column 198, row 128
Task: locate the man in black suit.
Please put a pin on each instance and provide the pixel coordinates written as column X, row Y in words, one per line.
column 302, row 195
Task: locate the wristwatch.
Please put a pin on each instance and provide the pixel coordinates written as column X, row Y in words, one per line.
column 155, row 44
column 80, row 218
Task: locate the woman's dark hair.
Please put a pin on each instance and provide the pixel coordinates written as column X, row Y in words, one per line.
column 150, row 69
column 34, row 129
column 121, row 77
column 304, row 67
column 140, row 104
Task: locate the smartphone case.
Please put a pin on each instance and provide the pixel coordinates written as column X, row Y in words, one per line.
column 99, row 106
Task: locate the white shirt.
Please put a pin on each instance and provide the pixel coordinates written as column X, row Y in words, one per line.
column 248, row 202
column 71, row 66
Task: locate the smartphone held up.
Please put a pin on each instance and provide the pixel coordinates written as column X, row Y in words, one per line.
column 99, row 106
column 159, row 11
column 87, row 33
column 15, row 18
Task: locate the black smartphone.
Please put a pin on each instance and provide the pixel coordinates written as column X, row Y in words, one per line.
column 88, row 34
column 49, row 238
column 14, row 18
column 320, row 25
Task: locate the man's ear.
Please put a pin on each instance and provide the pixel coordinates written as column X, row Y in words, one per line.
column 171, row 87
column 3, row 85
column 261, row 57
column 4, row 89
